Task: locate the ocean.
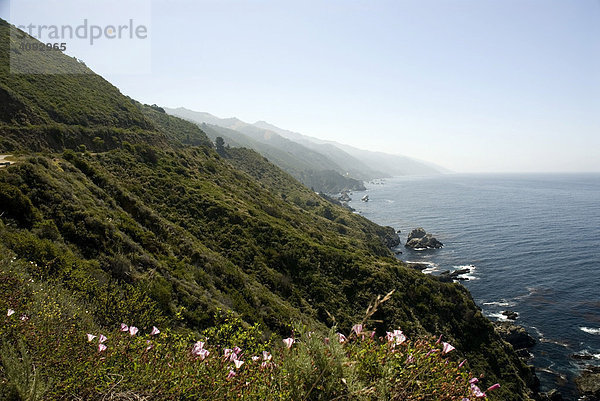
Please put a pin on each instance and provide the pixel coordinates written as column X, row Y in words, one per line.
column 532, row 243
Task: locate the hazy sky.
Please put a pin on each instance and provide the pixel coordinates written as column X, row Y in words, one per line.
column 473, row 85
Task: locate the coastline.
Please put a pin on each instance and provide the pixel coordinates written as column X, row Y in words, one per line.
column 558, row 361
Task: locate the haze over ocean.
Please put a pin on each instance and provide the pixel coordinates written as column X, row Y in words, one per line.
column 533, row 242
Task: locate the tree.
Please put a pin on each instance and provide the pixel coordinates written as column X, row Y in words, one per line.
column 220, row 144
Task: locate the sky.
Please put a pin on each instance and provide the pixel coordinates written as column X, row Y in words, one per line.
column 472, row 85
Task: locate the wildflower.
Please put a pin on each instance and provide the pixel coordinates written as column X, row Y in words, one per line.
column 90, row 337
column 237, row 350
column 342, row 338
column 150, row 345
column 102, row 338
column 255, row 358
column 460, row 365
column 227, row 352
column 474, row 380
column 288, row 342
column 439, row 339
column 154, row 331
column 230, row 375
column 373, row 334
column 133, row 330
column 477, row 391
column 24, row 318
column 204, row 353
column 238, row 363
column 396, row 337
column 264, row 365
column 357, row 329
column 447, row 348
column 101, row 347
column 493, row 387
column 198, row 350
column 410, row 359
column 266, row 356
column 10, row 312
column 124, row 327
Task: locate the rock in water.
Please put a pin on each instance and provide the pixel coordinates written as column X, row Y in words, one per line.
column 510, row 315
column 418, row 238
column 588, row 383
column 514, row 335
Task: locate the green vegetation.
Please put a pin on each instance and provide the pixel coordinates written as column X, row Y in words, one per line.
column 307, row 166
column 126, row 214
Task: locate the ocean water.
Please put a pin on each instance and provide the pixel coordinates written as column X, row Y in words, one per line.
column 533, row 245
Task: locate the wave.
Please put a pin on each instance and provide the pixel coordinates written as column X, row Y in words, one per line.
column 590, row 330
column 498, row 316
column 500, row 303
column 470, row 275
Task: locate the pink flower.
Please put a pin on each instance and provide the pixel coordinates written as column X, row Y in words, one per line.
column 102, row 338
column 227, row 352
column 154, row 331
column 396, row 337
column 230, row 375
column 90, row 337
column 101, row 347
column 203, row 353
column 255, row 358
column 264, row 365
column 199, row 351
column 493, row 387
column 124, row 327
column 373, row 334
column 357, row 329
column 10, row 312
column 24, row 318
column 266, row 356
column 342, row 338
column 439, row 339
column 460, row 365
column 288, row 342
column 150, row 345
column 238, row 364
column 237, row 350
column 474, row 380
column 477, row 391
column 447, row 348
column 133, row 330
column 410, row 359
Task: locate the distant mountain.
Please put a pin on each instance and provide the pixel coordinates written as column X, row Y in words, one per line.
column 313, row 168
column 392, row 165
column 321, row 154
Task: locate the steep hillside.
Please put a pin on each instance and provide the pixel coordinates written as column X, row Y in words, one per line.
column 314, row 169
column 328, row 181
column 155, row 227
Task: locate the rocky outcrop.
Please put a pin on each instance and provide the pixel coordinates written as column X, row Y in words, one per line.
column 448, row 277
column 514, row 335
column 588, row 383
column 390, row 238
column 419, row 239
column 510, row 315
